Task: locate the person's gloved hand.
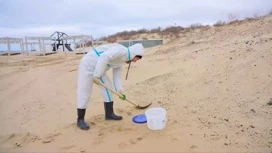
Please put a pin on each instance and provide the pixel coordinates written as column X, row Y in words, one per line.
column 123, row 97
column 96, row 81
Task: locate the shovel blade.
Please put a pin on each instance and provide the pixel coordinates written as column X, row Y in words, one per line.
column 143, row 107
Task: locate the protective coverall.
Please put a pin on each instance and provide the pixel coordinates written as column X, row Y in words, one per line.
column 94, row 66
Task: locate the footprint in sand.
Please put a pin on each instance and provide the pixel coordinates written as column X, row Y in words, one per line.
column 131, row 141
column 135, row 141
column 19, row 140
column 68, row 147
column 193, row 147
column 122, row 145
column 72, row 148
column 174, row 139
column 51, row 138
column 8, row 138
column 121, row 111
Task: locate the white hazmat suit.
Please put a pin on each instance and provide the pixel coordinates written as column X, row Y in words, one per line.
column 94, row 65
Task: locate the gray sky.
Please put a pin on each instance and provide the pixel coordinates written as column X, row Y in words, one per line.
column 19, row 18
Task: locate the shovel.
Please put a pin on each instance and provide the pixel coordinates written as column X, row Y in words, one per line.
column 120, row 95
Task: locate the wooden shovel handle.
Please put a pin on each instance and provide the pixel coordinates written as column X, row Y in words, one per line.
column 118, row 94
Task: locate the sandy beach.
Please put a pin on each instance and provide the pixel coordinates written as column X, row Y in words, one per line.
column 215, row 84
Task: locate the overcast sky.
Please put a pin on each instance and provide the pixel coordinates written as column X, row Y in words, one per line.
column 19, row 18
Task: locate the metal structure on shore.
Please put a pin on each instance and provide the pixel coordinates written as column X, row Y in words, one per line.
column 57, row 42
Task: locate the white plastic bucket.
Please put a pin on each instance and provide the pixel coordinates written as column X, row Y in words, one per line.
column 156, row 118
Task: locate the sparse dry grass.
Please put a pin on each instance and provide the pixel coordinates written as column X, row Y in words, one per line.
column 219, row 23
column 270, row 12
column 173, row 32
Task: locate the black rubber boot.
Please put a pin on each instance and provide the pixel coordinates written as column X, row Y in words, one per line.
column 109, row 113
column 80, row 119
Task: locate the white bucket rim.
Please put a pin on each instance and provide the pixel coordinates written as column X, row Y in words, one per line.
column 155, row 108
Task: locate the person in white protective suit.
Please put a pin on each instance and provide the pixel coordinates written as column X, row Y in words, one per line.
column 92, row 69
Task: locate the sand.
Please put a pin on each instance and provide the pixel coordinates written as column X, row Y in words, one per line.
column 214, row 83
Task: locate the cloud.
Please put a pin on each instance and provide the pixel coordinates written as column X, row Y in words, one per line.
column 103, row 17
column 38, row 30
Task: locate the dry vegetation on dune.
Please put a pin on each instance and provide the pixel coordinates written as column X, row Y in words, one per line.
column 174, row 32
